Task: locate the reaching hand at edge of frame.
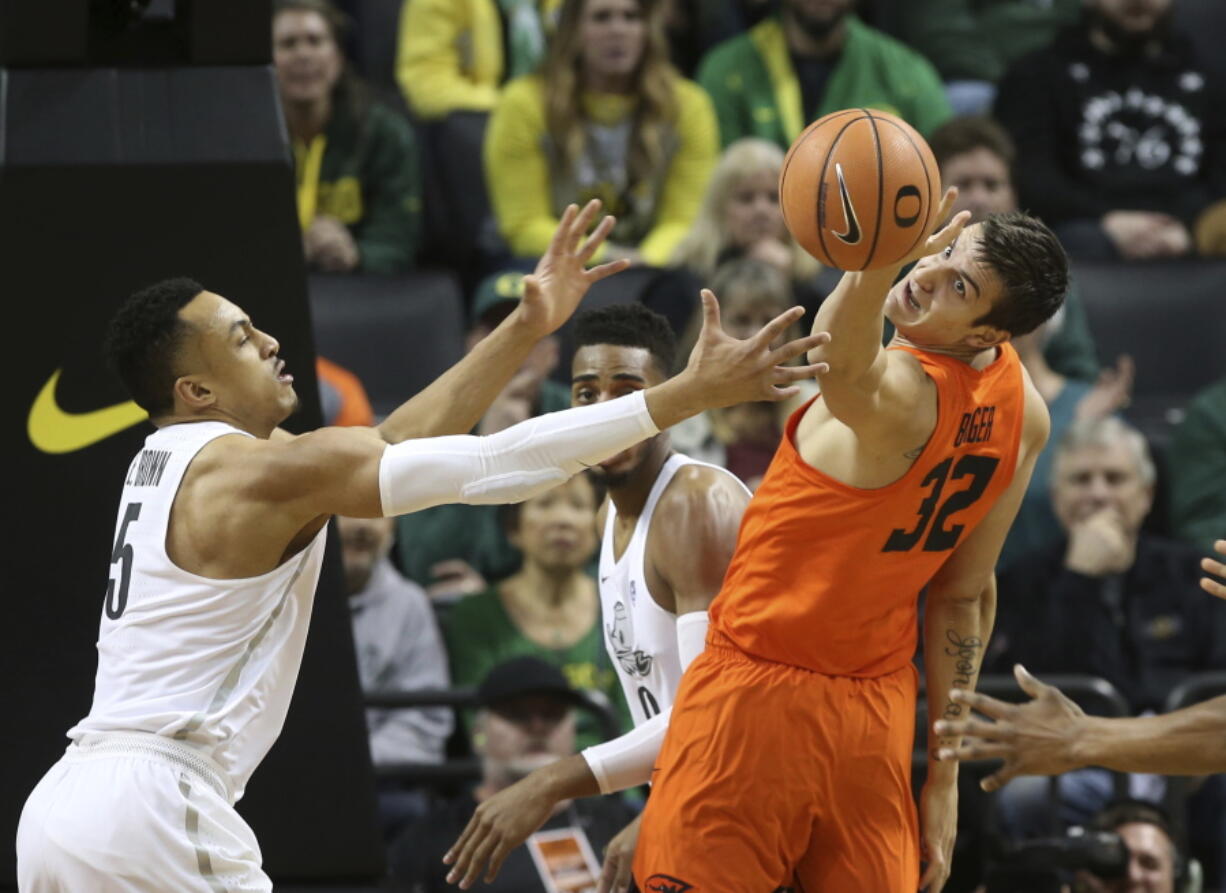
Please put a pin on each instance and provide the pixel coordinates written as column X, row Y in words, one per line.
column 1217, row 569
column 1034, row 738
column 562, row 278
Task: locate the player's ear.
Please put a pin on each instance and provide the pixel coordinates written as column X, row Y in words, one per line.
column 983, row 337
column 192, row 393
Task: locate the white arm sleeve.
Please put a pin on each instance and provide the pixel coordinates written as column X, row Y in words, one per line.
column 627, row 761
column 514, row 464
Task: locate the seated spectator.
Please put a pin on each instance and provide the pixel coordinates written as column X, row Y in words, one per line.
column 741, row 438
column 1198, row 469
column 972, row 43
column 1067, row 399
column 341, row 396
column 976, row 155
column 813, row 58
column 549, row 608
column 355, row 160
column 527, row 720
column 607, row 118
column 1122, row 131
column 455, row 55
column 1106, row 600
column 398, row 644
column 740, row 217
column 1153, row 858
column 454, row 550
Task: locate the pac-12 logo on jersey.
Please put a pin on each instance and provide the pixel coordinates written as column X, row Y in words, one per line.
column 621, row 637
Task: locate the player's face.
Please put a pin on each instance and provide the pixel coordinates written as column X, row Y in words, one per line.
column 236, row 364
column 938, row 302
column 364, row 542
column 602, row 372
column 612, row 34
column 557, row 529
column 307, row 59
column 527, row 732
column 752, row 213
column 1093, row 479
column 983, row 181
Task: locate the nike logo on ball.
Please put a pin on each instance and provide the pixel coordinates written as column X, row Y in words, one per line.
column 852, row 236
column 53, row 430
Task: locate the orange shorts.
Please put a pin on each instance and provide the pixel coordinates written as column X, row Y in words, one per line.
column 773, row 776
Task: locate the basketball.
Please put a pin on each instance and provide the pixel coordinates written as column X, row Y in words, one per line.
column 858, row 188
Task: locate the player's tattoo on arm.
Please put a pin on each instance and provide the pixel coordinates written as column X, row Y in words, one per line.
column 966, row 652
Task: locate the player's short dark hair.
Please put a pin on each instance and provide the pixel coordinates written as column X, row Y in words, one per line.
column 959, row 136
column 143, row 341
column 1032, row 266
column 629, row 325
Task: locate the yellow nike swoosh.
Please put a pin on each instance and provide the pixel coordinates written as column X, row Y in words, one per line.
column 53, row 430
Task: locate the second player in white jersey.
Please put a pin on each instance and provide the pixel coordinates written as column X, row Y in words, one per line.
column 640, row 634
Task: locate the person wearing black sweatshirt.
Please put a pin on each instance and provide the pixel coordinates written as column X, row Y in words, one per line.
column 1120, row 131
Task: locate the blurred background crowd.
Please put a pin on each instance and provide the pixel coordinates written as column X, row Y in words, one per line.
column 436, row 144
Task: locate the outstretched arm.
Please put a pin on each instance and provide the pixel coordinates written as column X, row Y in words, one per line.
column 458, row 398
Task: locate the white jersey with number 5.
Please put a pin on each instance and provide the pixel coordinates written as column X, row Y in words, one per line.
column 210, row 663
column 640, row 636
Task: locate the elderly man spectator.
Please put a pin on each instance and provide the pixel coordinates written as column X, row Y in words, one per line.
column 1122, row 129
column 527, row 720
column 398, row 643
column 816, row 57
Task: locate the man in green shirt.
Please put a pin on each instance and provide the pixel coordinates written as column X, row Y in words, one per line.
column 815, row 58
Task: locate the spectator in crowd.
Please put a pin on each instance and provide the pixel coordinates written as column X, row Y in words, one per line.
column 1123, row 133
column 341, row 396
column 455, row 55
column 975, row 154
column 398, row 644
column 1198, row 469
column 740, row 217
column 1106, row 601
column 456, row 550
column 971, row 43
column 813, row 58
column 694, row 26
column 355, row 160
column 1153, row 858
column 1068, row 399
column 607, row 118
column 549, row 608
column 741, row 438
column 527, row 720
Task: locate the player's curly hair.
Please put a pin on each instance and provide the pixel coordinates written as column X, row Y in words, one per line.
column 629, row 325
column 1032, row 267
column 143, row 341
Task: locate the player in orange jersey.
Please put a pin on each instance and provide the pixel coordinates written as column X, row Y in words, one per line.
column 788, row 757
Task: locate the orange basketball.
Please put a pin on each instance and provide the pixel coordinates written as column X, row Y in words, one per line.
column 858, row 188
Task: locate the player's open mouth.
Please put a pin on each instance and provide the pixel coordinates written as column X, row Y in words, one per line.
column 283, row 376
column 909, row 295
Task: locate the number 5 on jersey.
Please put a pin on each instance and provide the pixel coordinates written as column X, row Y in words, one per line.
column 979, row 469
column 122, row 553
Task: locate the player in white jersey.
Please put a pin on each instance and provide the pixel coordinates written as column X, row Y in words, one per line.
column 218, row 546
column 669, row 531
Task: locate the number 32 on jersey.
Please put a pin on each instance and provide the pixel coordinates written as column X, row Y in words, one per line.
column 943, row 535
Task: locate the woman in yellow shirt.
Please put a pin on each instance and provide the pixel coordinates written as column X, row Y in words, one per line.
column 607, row 117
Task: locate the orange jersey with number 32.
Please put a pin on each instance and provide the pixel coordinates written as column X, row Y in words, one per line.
column 828, row 576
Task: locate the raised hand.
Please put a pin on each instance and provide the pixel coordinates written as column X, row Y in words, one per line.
column 562, row 278
column 730, row 371
column 1217, row 568
column 1035, row 738
column 938, row 240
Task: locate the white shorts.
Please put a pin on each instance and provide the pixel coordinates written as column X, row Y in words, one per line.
column 134, row 812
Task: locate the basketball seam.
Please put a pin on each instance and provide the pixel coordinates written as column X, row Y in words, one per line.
column 880, row 188
column 821, row 187
column 927, row 183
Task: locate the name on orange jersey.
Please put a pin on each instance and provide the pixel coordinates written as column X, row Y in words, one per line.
column 976, row 426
